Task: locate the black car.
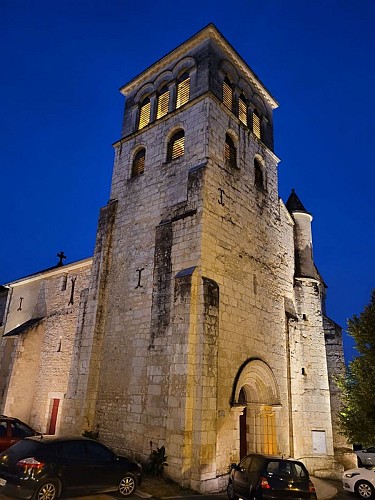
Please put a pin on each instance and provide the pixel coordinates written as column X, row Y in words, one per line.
column 262, row 476
column 43, row 468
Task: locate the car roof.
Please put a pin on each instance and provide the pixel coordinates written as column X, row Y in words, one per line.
column 11, row 419
column 273, row 457
column 48, row 439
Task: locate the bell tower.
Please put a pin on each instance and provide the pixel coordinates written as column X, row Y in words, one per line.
column 183, row 334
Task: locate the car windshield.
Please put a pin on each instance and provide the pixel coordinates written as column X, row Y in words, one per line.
column 286, row 468
column 20, row 430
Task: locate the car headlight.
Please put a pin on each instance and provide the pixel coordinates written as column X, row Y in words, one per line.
column 351, row 474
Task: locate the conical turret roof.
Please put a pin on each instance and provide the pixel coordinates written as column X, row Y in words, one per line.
column 294, row 204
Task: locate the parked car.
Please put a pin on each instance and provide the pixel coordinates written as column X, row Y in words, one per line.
column 43, row 468
column 366, row 456
column 262, row 476
column 360, row 481
column 13, row 430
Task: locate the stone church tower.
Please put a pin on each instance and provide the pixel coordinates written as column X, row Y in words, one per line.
column 199, row 324
column 203, row 326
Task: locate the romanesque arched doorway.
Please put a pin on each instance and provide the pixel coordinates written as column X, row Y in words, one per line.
column 256, row 392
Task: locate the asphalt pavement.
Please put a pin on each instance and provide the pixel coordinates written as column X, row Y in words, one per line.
column 325, row 490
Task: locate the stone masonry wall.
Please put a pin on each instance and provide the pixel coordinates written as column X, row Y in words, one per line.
column 157, row 211
column 80, row 402
column 242, row 251
column 310, row 389
column 39, row 364
column 336, row 366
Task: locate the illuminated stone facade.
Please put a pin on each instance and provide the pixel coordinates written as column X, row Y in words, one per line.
column 39, row 325
column 202, row 327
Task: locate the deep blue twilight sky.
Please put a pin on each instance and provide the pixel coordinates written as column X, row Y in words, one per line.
column 62, row 64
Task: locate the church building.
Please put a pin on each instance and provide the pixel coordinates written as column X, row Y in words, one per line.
column 199, row 324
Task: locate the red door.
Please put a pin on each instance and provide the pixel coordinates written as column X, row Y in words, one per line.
column 53, row 419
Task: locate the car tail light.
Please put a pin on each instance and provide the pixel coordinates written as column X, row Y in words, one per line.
column 264, row 483
column 30, row 463
column 311, row 487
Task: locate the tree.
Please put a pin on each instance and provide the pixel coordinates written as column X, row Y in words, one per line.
column 357, row 414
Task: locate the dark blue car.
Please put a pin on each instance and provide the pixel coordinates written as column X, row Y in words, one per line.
column 43, row 468
column 261, row 476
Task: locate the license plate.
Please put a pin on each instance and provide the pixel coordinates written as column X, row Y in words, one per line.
column 2, row 482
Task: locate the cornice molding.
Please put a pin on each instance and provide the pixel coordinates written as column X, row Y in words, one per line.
column 210, row 32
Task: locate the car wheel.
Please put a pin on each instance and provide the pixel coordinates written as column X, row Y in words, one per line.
column 127, row 485
column 230, row 492
column 359, row 462
column 364, row 489
column 48, row 490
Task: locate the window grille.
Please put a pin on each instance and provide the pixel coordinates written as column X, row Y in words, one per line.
column 227, row 94
column 144, row 114
column 176, row 146
column 258, row 173
column 139, row 163
column 163, row 103
column 183, row 92
column 230, row 152
column 242, row 110
column 256, row 124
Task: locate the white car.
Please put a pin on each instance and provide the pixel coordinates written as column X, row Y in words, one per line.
column 360, row 481
column 366, row 456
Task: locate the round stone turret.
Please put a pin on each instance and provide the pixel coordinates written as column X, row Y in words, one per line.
column 304, row 261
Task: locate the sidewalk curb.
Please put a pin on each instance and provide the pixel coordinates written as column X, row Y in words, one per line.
column 142, row 494
column 324, row 490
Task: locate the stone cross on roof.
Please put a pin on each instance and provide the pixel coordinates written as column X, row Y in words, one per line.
column 61, row 256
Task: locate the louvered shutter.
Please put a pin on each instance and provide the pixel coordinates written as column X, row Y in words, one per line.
column 183, row 93
column 176, row 146
column 144, row 115
column 242, row 111
column 230, row 152
column 256, row 125
column 227, row 94
column 139, row 163
column 163, row 104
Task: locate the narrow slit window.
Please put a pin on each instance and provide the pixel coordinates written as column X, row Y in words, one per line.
column 258, row 174
column 183, row 91
column 138, row 166
column 163, row 103
column 227, row 94
column 176, row 146
column 242, row 110
column 256, row 125
column 144, row 114
column 230, row 152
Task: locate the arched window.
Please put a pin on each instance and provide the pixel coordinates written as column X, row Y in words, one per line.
column 258, row 174
column 176, row 146
column 256, row 124
column 163, row 102
column 183, row 90
column 227, row 94
column 242, row 109
column 230, row 152
column 138, row 166
column 144, row 113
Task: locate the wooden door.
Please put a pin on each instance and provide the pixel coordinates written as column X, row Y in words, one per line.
column 53, row 418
